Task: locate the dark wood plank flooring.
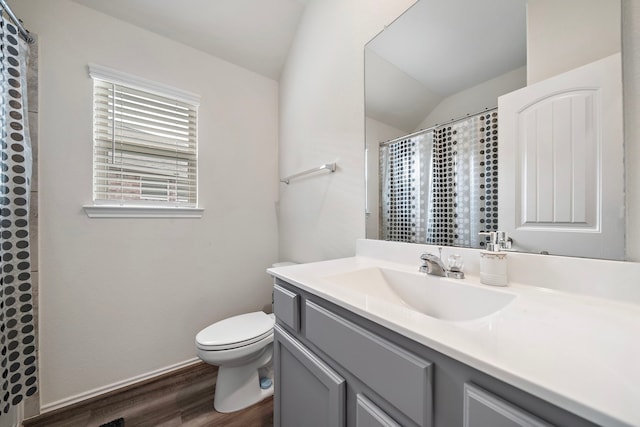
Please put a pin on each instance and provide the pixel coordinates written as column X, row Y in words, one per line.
column 181, row 398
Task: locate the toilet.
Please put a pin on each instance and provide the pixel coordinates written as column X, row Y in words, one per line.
column 241, row 346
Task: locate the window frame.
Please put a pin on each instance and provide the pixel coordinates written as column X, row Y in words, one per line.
column 106, row 208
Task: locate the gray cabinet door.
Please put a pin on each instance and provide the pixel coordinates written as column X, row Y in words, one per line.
column 369, row 415
column 307, row 392
column 397, row 376
column 483, row 409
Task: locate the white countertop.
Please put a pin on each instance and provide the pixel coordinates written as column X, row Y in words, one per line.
column 581, row 353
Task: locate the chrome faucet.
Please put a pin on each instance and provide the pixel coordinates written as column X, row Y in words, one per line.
column 432, row 264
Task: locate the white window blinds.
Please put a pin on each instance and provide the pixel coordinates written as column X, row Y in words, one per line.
column 144, row 147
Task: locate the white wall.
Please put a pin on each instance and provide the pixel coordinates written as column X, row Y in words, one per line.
column 563, row 35
column 120, row 298
column 322, row 120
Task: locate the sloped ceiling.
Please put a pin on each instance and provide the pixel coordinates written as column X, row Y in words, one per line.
column 415, row 66
column 439, row 48
column 254, row 34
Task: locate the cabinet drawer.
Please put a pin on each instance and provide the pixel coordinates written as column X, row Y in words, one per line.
column 286, row 306
column 482, row 408
column 402, row 379
column 369, row 415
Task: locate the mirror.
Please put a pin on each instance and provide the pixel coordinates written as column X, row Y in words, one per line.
column 442, row 61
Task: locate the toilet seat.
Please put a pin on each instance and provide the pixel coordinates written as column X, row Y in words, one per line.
column 236, row 331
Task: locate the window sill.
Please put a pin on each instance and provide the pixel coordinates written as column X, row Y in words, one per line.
column 98, row 211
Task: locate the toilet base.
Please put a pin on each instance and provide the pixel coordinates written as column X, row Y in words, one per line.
column 238, row 387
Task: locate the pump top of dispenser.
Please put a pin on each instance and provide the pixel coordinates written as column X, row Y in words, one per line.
column 498, row 241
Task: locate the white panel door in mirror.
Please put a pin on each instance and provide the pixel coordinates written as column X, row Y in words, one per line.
column 561, row 163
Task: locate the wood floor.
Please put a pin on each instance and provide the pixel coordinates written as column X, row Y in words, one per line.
column 183, row 398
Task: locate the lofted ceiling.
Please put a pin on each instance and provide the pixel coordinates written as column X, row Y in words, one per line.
column 439, row 48
column 254, row 34
column 461, row 43
column 411, row 76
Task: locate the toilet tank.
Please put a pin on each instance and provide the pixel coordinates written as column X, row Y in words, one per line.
column 282, row 264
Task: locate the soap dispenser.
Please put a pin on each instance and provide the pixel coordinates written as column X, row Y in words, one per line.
column 493, row 261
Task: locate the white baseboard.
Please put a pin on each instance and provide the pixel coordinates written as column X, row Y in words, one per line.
column 48, row 407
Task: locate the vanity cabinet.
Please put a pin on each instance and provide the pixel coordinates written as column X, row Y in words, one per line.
column 313, row 393
column 334, row 368
column 288, row 304
column 369, row 415
column 388, row 371
column 482, row 409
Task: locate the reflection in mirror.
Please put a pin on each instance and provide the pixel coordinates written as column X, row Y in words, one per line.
column 433, row 79
column 439, row 186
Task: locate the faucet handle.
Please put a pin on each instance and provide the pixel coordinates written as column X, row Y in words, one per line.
column 455, row 262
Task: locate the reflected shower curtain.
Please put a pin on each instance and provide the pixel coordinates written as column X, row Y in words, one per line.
column 17, row 334
column 465, row 186
column 405, row 171
column 447, row 194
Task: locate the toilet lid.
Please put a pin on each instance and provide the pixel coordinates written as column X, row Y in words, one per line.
column 235, row 331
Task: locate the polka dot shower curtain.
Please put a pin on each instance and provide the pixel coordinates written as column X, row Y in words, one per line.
column 465, row 186
column 405, row 173
column 17, row 334
column 440, row 186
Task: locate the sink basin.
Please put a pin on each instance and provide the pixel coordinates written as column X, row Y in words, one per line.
column 431, row 295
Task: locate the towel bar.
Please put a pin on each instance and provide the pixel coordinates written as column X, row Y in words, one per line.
column 327, row 166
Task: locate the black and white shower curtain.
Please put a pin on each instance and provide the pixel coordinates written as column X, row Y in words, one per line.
column 405, row 171
column 441, row 186
column 17, row 333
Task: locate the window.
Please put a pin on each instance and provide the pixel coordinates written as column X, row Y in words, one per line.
column 144, row 148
